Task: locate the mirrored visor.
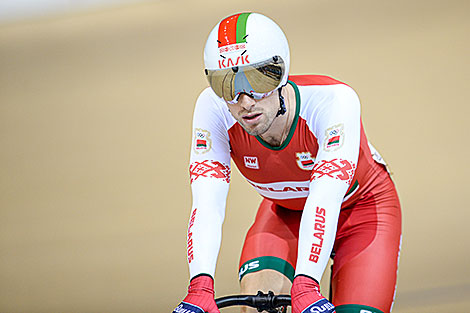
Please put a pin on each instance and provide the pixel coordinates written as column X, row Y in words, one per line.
column 256, row 80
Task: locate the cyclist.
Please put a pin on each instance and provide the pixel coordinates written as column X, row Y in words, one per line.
column 299, row 141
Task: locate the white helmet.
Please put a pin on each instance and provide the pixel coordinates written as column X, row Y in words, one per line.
column 246, row 53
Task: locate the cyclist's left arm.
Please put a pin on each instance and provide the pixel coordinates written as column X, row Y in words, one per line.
column 337, row 126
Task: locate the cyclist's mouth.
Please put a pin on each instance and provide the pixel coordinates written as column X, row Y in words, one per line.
column 252, row 117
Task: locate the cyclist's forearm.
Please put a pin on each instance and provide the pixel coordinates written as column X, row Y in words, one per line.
column 338, row 131
column 317, row 231
column 205, row 226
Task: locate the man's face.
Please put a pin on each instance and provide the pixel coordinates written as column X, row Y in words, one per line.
column 255, row 116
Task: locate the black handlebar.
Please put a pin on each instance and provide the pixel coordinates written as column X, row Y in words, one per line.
column 268, row 302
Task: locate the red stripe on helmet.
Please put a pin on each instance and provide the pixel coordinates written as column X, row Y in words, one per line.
column 228, row 31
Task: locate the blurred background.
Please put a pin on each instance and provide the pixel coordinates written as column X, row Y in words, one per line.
column 96, row 102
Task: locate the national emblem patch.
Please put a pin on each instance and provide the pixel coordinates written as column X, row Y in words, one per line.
column 305, row 160
column 202, row 141
column 334, row 138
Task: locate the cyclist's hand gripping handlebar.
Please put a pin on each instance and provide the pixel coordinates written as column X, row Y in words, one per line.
column 200, row 298
column 306, row 296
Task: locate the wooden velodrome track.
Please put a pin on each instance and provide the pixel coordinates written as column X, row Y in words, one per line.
column 95, row 127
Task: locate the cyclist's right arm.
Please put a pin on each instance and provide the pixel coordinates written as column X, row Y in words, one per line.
column 210, row 177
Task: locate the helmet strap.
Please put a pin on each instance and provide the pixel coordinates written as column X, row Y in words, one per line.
column 282, row 109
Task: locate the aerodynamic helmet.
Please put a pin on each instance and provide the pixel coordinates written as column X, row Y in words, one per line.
column 246, row 53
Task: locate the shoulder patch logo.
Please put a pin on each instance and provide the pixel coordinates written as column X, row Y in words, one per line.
column 251, row 162
column 305, row 160
column 334, row 138
column 202, row 142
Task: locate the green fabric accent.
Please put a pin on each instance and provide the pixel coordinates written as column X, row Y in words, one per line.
column 356, row 308
column 267, row 262
column 294, row 123
column 353, row 187
column 241, row 27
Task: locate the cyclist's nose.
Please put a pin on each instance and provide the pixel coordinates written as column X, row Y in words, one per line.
column 246, row 101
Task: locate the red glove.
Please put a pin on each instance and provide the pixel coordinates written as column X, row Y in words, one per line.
column 200, row 296
column 306, row 296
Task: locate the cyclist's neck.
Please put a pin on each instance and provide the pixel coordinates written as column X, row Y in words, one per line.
column 279, row 130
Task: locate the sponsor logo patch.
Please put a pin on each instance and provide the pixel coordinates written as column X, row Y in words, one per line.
column 305, row 160
column 206, row 168
column 321, row 306
column 202, row 142
column 232, row 48
column 185, row 307
column 248, row 267
column 251, row 162
column 334, row 137
column 336, row 168
column 234, row 61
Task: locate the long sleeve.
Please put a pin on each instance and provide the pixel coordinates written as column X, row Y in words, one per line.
column 210, row 177
column 337, row 128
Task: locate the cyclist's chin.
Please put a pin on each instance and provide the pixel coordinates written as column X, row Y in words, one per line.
column 254, row 129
